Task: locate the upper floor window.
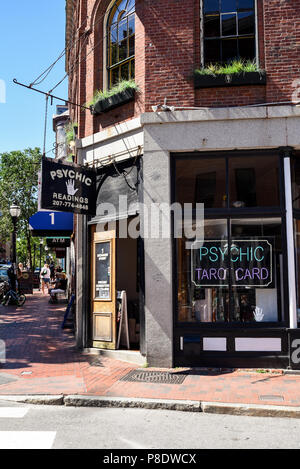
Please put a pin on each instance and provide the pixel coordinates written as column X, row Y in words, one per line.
column 229, row 30
column 120, row 41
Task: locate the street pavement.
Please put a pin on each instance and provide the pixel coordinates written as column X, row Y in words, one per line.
column 25, row 426
column 42, row 360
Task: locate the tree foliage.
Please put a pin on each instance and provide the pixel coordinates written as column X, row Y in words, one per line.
column 19, row 185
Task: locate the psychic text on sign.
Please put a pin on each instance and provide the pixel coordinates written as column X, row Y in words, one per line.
column 68, row 188
column 246, row 263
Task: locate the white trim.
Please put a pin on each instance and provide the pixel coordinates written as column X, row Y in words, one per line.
column 105, row 81
column 256, row 34
column 214, row 344
column 290, row 244
column 257, row 344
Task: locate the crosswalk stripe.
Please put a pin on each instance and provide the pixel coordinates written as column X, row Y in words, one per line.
column 13, row 412
column 26, row 440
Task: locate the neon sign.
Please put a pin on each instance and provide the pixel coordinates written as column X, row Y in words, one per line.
column 245, row 263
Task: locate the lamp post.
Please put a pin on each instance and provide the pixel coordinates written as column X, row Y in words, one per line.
column 15, row 212
column 41, row 245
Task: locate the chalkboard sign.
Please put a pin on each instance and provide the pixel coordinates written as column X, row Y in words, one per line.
column 103, row 271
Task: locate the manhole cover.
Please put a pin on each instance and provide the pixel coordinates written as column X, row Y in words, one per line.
column 271, row 397
column 161, row 377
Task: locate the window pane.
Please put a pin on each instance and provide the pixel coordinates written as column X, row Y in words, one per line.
column 256, row 270
column 211, row 6
column 130, row 6
column 247, row 48
column 245, row 4
column 122, row 29
column 202, row 296
column 229, row 50
column 115, row 76
column 131, row 25
column 229, row 25
column 131, row 46
column 228, row 6
column 113, row 34
column 246, row 23
column 212, row 51
column 114, row 54
column 253, row 181
column 201, row 180
column 212, row 26
column 123, row 50
column 132, row 69
column 125, row 72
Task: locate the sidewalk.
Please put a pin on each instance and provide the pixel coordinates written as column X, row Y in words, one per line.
column 42, row 360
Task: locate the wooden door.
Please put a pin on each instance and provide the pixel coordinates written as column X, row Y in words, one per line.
column 104, row 289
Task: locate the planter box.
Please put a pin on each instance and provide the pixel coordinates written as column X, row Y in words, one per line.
column 114, row 101
column 236, row 79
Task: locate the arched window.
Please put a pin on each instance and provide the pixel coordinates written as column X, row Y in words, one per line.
column 120, row 41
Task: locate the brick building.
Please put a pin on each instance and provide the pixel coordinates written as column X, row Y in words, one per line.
column 189, row 132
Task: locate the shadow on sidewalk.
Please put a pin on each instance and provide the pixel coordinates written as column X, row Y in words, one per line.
column 33, row 334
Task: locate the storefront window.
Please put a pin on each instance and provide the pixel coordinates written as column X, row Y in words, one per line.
column 201, row 180
column 253, row 181
column 234, row 274
column 229, row 181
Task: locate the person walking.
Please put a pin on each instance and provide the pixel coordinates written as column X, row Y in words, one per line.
column 45, row 278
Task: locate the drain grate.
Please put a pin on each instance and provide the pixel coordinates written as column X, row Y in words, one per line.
column 161, row 377
column 270, row 397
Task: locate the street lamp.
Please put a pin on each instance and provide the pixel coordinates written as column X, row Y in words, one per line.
column 15, row 212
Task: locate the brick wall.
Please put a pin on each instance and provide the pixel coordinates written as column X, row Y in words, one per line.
column 168, row 50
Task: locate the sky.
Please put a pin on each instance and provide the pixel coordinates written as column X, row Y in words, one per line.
column 32, row 36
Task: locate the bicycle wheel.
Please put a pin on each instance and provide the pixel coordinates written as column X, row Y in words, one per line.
column 21, row 300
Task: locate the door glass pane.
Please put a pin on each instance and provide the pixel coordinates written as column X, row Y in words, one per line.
column 102, row 274
column 256, row 263
column 201, row 180
column 203, row 294
column 253, row 181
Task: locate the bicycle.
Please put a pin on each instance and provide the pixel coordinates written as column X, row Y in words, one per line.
column 12, row 297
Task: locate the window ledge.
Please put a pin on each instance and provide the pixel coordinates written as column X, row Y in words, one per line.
column 105, row 105
column 225, row 80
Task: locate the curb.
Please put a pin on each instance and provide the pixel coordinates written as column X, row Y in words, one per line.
column 251, row 410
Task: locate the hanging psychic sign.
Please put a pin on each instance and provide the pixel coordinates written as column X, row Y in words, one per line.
column 248, row 263
column 68, row 188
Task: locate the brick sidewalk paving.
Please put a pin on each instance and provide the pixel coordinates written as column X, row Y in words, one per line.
column 42, row 359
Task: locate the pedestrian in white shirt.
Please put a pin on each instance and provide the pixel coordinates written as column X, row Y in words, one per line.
column 45, row 278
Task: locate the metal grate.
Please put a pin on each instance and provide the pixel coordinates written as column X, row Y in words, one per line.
column 161, row 377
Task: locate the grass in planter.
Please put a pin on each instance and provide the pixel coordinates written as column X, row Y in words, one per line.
column 99, row 95
column 234, row 67
column 70, row 133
